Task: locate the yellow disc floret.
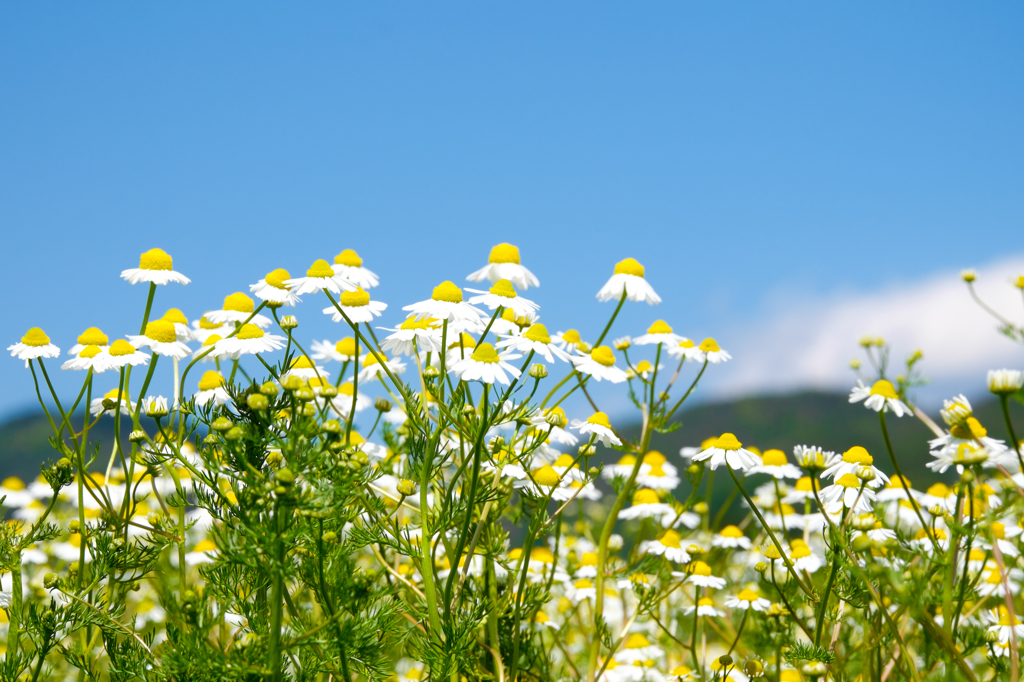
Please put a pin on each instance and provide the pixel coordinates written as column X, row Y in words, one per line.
column 349, row 258
column 629, row 266
column 727, row 441
column 277, row 278
column 848, row 481
column 175, row 316
column 546, row 476
column 709, row 346
column 645, row 496
column 155, row 259
column 571, row 336
column 238, row 302
column 89, row 352
column 600, row 419
column 858, row 455
column 94, row 337
column 211, row 380
column 346, row 347
column 448, row 292
column 354, row 299
column 503, row 288
column 162, row 331
column 884, row 389
column 603, row 355
column 538, row 332
column 485, row 353
column 773, row 458
column 504, row 253
column 250, row 331
column 302, row 362
column 320, row 269
column 659, row 327
column 120, row 347
column 35, row 337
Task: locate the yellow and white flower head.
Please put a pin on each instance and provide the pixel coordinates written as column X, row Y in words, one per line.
column 854, row 460
column 992, row 584
column 1001, row 622
column 535, row 339
column 568, row 340
column 846, row 493
column 319, row 277
column 372, row 368
column 628, row 279
column 599, row 427
column 155, row 267
column 108, row 403
column 731, row 537
column 250, row 340
column 504, row 295
column 33, row 345
column 459, row 349
column 727, row 450
column 238, row 308
column 162, row 338
column 412, row 335
column 12, row 489
column 657, row 473
column 708, row 351
column 1005, row 381
column 540, row 482
column 966, row 454
column 342, row 351
column 155, row 406
column 121, row 354
column 813, row 458
column 581, row 590
column 92, row 336
column 207, row 352
column 202, row 329
column 204, row 552
column 349, row 267
column 89, row 357
column 699, row 573
column 686, row 349
column 748, row 599
column 668, row 544
column 211, row 388
column 659, row 332
column 357, row 306
column 600, row 364
column 646, row 505
column 705, row 607
column 303, row 367
column 274, row 289
column 181, row 326
column 445, row 303
column 881, row 397
column 347, row 395
column 485, row 364
column 775, row 464
column 803, row 558
column 504, row 264
column 553, row 421
column 638, row 648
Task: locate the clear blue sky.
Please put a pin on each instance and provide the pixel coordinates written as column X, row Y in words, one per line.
column 734, row 148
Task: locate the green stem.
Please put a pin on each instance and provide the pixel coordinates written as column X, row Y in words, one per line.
column 608, row 327
column 1003, row 404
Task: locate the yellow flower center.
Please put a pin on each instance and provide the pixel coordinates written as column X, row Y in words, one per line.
column 349, row 258
column 35, row 337
column 629, row 266
column 277, row 278
column 503, row 288
column 969, row 430
column 447, row 291
column 546, row 476
column 162, row 331
column 563, row 461
column 572, row 336
column 211, row 380
column 600, row 419
column 465, row 341
column 938, row 490
column 848, row 481
column 89, row 352
column 637, row 641
column 413, row 323
column 250, row 331
column 504, row 253
column 302, row 362
column 709, row 346
column 884, row 389
column 320, row 268
column 205, row 546
column 670, row 538
column 603, row 355
column 121, row 347
column 748, row 595
column 206, row 324
column 212, row 340
column 773, row 458
column 93, row 337
column 485, row 353
column 727, row 441
column 645, row 496
column 858, row 455
column 354, row 299
column 589, row 558
column 804, row 484
column 643, row 367
column 238, row 302
column 654, row 458
column 15, row 483
column 346, row 389
column 659, row 327
column 731, row 532
column 371, row 359
column 800, row 551
column 686, row 343
column 538, row 333
column 346, row 346
column 155, row 259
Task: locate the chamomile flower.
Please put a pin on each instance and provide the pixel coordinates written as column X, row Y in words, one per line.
column 89, row 357
column 1005, row 381
column 727, row 450
column 705, row 607
column 580, row 590
column 412, row 335
column 668, row 544
column 161, row 337
column 881, row 397
column 656, row 473
column 748, row 599
column 600, row 364
column 250, row 340
column 372, row 368
column 445, row 303
column 155, row 406
column 342, row 351
column 847, row 492
column 774, row 463
column 357, row 306
column 992, row 584
column 708, row 351
column 686, row 349
column 319, row 277
column 647, row 504
column 568, row 340
column 812, row 458
column 509, row 323
column 503, row 295
column 852, row 461
column 203, row 553
column 731, row 537
column 347, row 396
column 542, row 481
column 349, row 266
column 699, row 573
column 207, row 352
column 155, row 267
column 202, row 329
column 659, row 332
column 14, row 494
column 274, row 289
column 121, row 353
column 211, row 388
column 628, row 280
column 598, row 425
column 108, row 403
column 238, row 308
column 1001, row 623
column 486, row 365
column 803, row 558
column 535, row 339
column 90, row 337
column 34, row 344
column 638, row 648
column 503, row 263
column 303, row 367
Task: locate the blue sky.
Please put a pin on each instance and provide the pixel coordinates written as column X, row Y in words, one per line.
column 747, row 154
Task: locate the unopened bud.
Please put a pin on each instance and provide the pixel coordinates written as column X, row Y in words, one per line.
column 49, row 580
column 701, row 508
column 406, row 487
column 968, row 276
column 234, row 433
column 865, row 474
column 137, row 436
column 588, row 450
column 382, row 405
column 285, row 477
column 74, row 527
column 269, row 389
column 538, row 371
column 289, row 322
column 257, row 402
column 615, row 542
column 725, row 661
column 221, row 424
column 760, row 567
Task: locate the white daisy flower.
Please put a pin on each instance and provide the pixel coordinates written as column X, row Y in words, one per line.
column 161, row 337
column 568, row 340
column 342, row 403
column 775, row 464
column 699, row 573
column 535, row 339
column 542, row 481
column 90, row 337
column 686, row 348
column 372, row 369
column 638, row 648
column 881, row 397
column 1005, row 381
column 422, row 334
column 274, row 289
column 598, row 425
column 155, row 406
column 748, row 599
column 709, row 351
column 646, row 505
column 580, row 590
column 14, row 494
column 445, row 303
column 846, row 493
column 966, row 453
column 203, row 329
column 108, row 403
column 156, row 267
column 342, row 351
column 203, row 553
column 504, row 295
column 250, row 340
column 207, row 352
column 121, row 353
column 852, row 461
column 303, row 367
column 727, row 450
column 35, row 344
column 90, row 357
column 803, row 558
column 628, row 279
column 813, row 458
column 211, row 388
column 486, row 365
column 349, row 266
column 731, row 537
column 357, row 305
column 238, row 308
column 600, row 364
column 319, row 277
column 659, row 332
column 1002, row 623
column 503, row 263
column 705, row 607
column 669, row 545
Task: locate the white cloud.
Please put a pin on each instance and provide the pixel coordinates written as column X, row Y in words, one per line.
column 809, row 343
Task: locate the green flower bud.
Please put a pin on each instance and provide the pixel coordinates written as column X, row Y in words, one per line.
column 257, row 402
column 269, row 389
column 221, row 424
